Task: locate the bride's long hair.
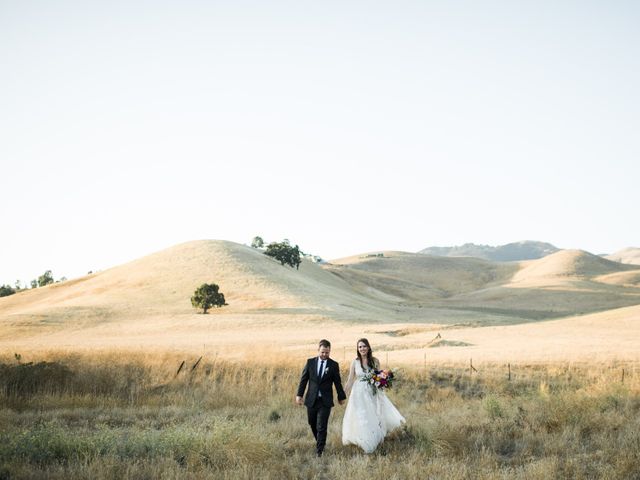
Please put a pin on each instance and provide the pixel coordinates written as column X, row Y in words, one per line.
column 370, row 359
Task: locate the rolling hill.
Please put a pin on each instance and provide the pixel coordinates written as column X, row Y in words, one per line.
column 568, row 264
column 561, row 284
column 419, row 277
column 525, row 250
column 161, row 284
column 400, row 298
column 626, row 255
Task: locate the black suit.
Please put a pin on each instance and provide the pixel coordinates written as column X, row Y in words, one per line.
column 319, row 398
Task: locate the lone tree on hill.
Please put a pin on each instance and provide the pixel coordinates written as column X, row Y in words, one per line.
column 206, row 296
column 284, row 253
column 45, row 279
column 257, row 242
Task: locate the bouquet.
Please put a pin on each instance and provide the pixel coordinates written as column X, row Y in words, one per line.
column 378, row 379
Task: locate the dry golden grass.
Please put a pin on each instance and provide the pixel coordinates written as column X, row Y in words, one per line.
column 569, row 305
column 131, row 416
column 626, row 255
column 422, row 277
column 568, row 263
column 109, row 403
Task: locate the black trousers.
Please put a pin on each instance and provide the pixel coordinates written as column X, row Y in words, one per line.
column 318, row 416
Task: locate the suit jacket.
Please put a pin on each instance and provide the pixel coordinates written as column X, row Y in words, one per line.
column 324, row 385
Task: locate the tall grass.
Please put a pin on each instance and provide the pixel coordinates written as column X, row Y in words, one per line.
column 117, row 416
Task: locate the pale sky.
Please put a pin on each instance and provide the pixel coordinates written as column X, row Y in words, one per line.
column 346, row 127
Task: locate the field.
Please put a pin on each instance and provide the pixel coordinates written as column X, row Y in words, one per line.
column 566, row 307
column 120, row 415
column 90, row 388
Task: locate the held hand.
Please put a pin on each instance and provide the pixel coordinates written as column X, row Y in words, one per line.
column 298, row 400
column 341, row 402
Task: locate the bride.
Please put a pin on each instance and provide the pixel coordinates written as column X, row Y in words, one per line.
column 368, row 417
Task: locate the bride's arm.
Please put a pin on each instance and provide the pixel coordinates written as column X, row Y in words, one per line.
column 352, row 377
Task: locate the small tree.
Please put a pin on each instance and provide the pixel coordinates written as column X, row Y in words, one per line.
column 45, row 279
column 6, row 290
column 34, row 284
column 257, row 242
column 284, row 253
column 206, row 296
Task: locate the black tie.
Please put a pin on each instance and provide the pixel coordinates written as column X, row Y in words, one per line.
column 321, row 368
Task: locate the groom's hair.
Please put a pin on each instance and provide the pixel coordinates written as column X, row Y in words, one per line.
column 324, row 343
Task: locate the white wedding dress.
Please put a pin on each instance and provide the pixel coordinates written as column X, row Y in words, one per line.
column 368, row 417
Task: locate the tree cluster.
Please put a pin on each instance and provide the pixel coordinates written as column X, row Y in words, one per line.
column 6, row 290
column 43, row 280
column 284, row 253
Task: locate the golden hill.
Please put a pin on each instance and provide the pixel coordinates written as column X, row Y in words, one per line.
column 568, row 263
column 420, row 277
column 147, row 302
column 154, row 292
column 627, row 255
column 481, row 292
column 162, row 284
column 565, row 283
column 626, row 279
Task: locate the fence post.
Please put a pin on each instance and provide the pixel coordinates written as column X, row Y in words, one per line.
column 509, row 365
column 623, row 375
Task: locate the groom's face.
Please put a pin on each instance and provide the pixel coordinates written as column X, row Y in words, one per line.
column 323, row 352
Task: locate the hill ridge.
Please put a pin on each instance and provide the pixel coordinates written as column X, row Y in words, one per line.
column 569, row 263
column 626, row 255
column 151, row 295
column 515, row 251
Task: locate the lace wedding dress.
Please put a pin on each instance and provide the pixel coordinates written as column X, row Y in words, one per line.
column 368, row 417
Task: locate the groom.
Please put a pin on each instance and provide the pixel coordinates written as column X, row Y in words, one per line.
column 321, row 373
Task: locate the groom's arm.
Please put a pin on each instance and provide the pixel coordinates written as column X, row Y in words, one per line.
column 304, row 378
column 338, row 383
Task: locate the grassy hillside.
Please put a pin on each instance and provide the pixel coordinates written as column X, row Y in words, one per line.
column 418, row 277
column 401, row 300
column 160, row 286
column 567, row 264
column 561, row 284
column 626, row 255
column 516, row 251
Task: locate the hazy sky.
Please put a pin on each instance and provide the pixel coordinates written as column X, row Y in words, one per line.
column 127, row 127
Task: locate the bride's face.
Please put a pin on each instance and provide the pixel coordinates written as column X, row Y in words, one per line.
column 362, row 349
